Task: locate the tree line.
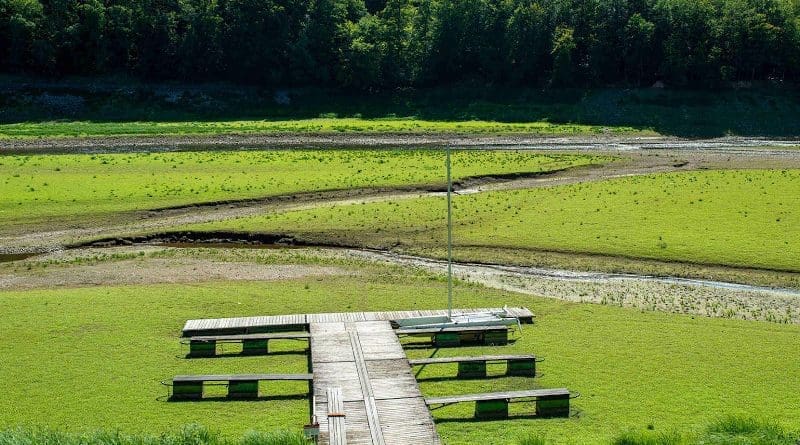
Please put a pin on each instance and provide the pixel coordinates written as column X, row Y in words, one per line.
column 395, row 43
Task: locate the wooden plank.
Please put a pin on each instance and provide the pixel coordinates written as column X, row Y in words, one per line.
column 455, row 329
column 243, row 324
column 366, row 385
column 240, row 337
column 340, row 374
column 480, row 358
column 377, row 349
column 392, row 379
column 337, row 422
column 509, row 395
column 357, row 427
column 407, row 421
column 239, row 377
column 381, row 397
column 326, row 350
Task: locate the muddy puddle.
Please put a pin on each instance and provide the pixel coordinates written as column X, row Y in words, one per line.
column 9, row 257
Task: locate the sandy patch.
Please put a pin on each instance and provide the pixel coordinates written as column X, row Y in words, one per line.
column 156, row 270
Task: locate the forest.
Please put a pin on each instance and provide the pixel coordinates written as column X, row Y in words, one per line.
column 381, row 44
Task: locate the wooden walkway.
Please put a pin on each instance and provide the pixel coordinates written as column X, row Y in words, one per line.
column 382, row 401
column 247, row 325
column 357, row 355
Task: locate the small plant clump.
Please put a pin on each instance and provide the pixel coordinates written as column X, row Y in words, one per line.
column 732, row 430
column 188, row 435
column 38, row 187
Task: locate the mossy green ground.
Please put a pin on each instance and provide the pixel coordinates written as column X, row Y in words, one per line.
column 88, row 358
column 111, row 109
column 318, row 125
column 744, row 218
column 44, row 186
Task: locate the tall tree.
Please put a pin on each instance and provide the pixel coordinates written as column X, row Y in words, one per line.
column 638, row 49
column 199, row 46
column 529, row 43
column 563, row 52
column 19, row 23
column 684, row 27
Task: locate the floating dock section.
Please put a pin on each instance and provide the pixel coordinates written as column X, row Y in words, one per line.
column 268, row 323
column 357, row 360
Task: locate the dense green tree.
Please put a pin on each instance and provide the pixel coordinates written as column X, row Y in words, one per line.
column 420, row 47
column 638, row 49
column 199, row 46
column 393, row 43
column 467, row 41
column 364, row 55
column 745, row 35
column 563, row 53
column 118, row 35
column 154, row 31
column 86, row 41
column 687, row 35
column 606, row 44
column 528, row 43
column 394, row 37
column 324, row 41
column 19, row 21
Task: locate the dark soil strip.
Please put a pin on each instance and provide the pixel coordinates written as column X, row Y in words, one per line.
column 8, row 257
column 221, row 239
column 466, row 182
column 262, row 241
column 203, row 239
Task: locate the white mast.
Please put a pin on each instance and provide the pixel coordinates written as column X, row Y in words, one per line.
column 488, row 318
column 449, row 242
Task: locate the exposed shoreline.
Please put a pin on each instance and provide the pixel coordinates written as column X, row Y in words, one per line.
column 112, row 144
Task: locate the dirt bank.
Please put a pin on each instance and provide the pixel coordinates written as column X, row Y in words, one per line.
column 158, row 264
column 110, row 144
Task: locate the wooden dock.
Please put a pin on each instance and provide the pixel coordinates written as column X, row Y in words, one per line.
column 248, row 325
column 382, row 401
column 356, row 358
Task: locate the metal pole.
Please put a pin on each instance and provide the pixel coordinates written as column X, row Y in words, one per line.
column 449, row 242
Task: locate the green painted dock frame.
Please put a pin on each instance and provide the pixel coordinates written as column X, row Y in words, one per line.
column 475, row 367
column 245, row 386
column 491, row 406
column 456, row 336
column 252, row 344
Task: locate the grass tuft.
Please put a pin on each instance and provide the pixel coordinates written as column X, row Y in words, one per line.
column 732, row 430
column 532, row 440
column 736, row 430
column 647, row 438
column 192, row 434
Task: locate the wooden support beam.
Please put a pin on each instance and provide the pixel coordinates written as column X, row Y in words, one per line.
column 491, row 409
column 472, row 370
column 189, row 390
column 202, row 348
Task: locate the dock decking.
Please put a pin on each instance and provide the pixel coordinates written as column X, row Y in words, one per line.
column 382, row 401
column 358, row 357
column 249, row 325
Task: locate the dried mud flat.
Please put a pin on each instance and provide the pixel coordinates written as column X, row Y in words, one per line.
column 136, row 265
column 600, row 141
column 115, row 267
